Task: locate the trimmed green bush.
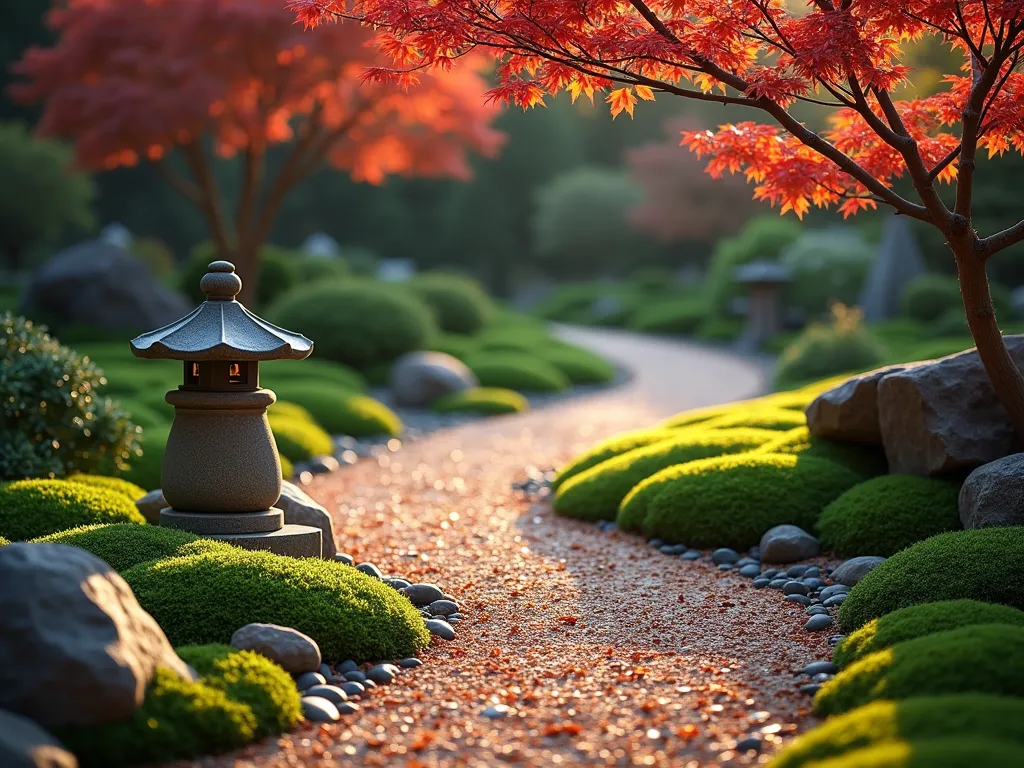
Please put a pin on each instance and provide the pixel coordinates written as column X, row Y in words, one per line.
column 281, row 373
column 205, row 598
column 356, row 322
column 610, row 448
column 177, row 720
column 516, row 370
column 486, row 400
column 928, row 297
column 456, row 345
column 960, row 565
column 595, row 493
column 980, row 659
column 845, row 346
column 32, row 508
column 886, row 514
column 123, row 545
column 674, row 316
column 277, row 272
column 867, row 461
column 343, row 413
column 580, row 366
column 916, row 719
column 460, row 303
column 765, row 417
column 129, row 490
column 286, row 410
column 312, row 269
column 251, row 679
column 54, row 417
column 145, row 469
column 287, row 468
column 918, row 621
column 731, row 501
column 298, row 439
column 826, row 265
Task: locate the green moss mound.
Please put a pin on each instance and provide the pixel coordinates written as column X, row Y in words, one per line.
column 123, row 545
column 934, row 753
column 580, row 366
column 486, row 400
column 299, row 439
column 118, row 485
column 961, row 565
column 516, row 370
column 250, row 678
column 732, row 500
column 674, row 316
column 702, row 415
column 3, row 542
column 32, row 508
column 177, row 720
column 595, row 494
column 349, row 614
column 916, row 719
column 356, row 322
column 460, row 303
column 886, row 514
column 979, row 659
column 145, row 468
column 610, row 448
column 918, row 621
column 866, row 461
column 764, row 417
column 290, row 410
column 343, row 413
column 287, row 468
column 454, row 344
column 328, row 374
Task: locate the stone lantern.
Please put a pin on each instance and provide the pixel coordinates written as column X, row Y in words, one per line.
column 221, row 470
column 765, row 280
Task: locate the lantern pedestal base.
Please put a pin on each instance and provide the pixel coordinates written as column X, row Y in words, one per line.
column 291, row 541
column 261, row 531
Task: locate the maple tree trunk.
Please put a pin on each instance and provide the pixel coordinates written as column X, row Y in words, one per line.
column 247, row 267
column 1006, row 378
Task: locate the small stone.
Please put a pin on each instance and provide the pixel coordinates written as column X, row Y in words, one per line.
column 319, row 710
column 397, row 583
column 355, row 676
column 353, row 689
column 293, row 651
column 453, row 619
column 819, row 667
column 812, row 572
column 755, row 552
column 771, row 573
column 443, row 608
column 778, row 583
column 673, row 549
column 656, row 543
column 818, row 623
column 309, row 679
column 834, row 589
column 323, row 465
column 724, row 555
column 834, row 600
column 855, row 569
column 347, row 708
column 411, row 663
column 347, row 666
column 822, row 677
column 370, row 570
column 341, row 557
column 796, row 571
column 816, row 610
column 325, row 670
column 795, row 588
column 761, row 583
column 332, row 693
column 749, row 744
column 750, row 571
column 381, row 674
column 441, row 629
column 368, row 684
column 810, row 689
column 725, row 567
column 423, row 594
column 690, row 554
column 786, row 544
column 836, row 639
column 496, row 711
column 814, row 584
column 799, row 599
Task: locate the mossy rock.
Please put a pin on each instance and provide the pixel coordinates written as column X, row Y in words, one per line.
column 915, row 719
column 933, row 753
column 118, row 485
column 32, row 508
column 985, row 659
column 146, row 470
column 205, row 598
column 763, row 417
column 731, row 501
column 886, row 514
column 178, row 719
column 595, row 493
column 485, row 400
column 580, row 366
column 124, row 545
column 299, row 439
column 867, row 461
column 519, row 371
column 250, row 678
column 961, row 565
column 341, row 412
column 920, row 620
column 610, row 448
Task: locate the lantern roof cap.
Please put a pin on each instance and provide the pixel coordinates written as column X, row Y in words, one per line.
column 221, row 329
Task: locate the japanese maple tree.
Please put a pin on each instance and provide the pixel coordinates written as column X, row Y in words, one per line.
column 133, row 80
column 765, row 56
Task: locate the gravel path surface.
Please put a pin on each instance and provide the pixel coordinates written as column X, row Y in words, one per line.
column 605, row 651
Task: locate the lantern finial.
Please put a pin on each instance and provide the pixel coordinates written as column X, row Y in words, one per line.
column 221, row 283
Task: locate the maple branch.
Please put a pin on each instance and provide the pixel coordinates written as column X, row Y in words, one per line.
column 180, row 184
column 1001, row 240
column 652, row 18
column 944, row 163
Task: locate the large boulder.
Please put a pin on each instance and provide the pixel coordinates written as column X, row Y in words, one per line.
column 420, row 378
column 787, row 544
column 101, row 285
column 300, row 509
column 23, row 744
column 76, row 649
column 849, row 412
column 944, row 416
column 993, row 494
column 856, row 568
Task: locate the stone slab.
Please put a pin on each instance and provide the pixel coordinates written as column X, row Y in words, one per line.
column 223, row 523
column 291, row 541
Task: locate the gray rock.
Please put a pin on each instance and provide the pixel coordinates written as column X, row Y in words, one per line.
column 813, row 584
column 656, row 543
column 816, row 610
column 836, row 639
column 852, row 571
column 750, row 571
column 419, row 378
column 150, row 506
column 347, row 666
column 778, row 583
column 812, row 572
column 72, row 625
column 352, row 688
column 800, row 599
column 347, row 708
column 355, row 676
column 835, row 600
column 724, row 555
column 300, row 509
column 317, row 709
column 822, row 677
column 726, row 567
column 993, row 494
column 323, row 465
column 370, row 570
column 944, row 416
column 382, row 674
column 496, row 711
column 749, row 744
column 443, row 608
column 332, row 693
column 103, row 286
column 795, row 588
column 796, row 571
column 818, row 667
column 397, row 583
column 761, row 583
column 410, row 663
column 423, row 594
column 691, row 554
column 441, row 629
column 849, row 412
column 810, row 689
column 786, row 543
column 344, row 559
column 23, row 744
column 818, row 623
column 294, row 651
column 325, row 671
column 309, row 679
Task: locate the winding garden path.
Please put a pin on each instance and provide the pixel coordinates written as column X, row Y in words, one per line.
column 606, row 651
